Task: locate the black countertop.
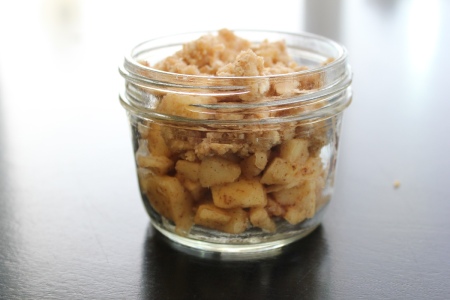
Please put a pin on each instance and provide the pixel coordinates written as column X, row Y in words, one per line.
column 72, row 225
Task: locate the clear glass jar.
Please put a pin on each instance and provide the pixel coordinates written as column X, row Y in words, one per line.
column 235, row 176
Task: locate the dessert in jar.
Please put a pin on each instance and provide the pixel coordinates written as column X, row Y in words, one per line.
column 235, row 134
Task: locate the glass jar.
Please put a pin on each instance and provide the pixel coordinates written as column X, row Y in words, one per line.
column 237, row 164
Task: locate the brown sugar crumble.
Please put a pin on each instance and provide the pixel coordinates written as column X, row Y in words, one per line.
column 226, row 54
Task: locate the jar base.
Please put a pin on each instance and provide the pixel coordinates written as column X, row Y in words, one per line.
column 254, row 242
column 251, row 242
column 230, row 249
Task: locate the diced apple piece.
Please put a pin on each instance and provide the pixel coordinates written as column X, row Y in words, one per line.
column 279, row 171
column 211, row 216
column 254, row 164
column 188, row 169
column 288, row 196
column 216, row 170
column 295, row 151
column 238, row 223
column 242, row 193
column 309, row 198
column 168, row 197
column 305, row 206
column 181, row 105
column 311, row 169
column 260, row 218
column 294, row 214
column 227, row 220
column 195, row 189
column 274, row 208
column 159, row 165
column 156, row 144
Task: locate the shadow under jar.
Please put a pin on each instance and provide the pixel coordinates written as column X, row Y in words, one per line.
column 237, row 164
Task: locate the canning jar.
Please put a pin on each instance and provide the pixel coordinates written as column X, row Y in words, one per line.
column 237, row 163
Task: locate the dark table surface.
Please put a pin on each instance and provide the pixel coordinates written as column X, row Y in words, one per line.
column 72, row 225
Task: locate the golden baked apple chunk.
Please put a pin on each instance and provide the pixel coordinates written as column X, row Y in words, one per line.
column 169, row 198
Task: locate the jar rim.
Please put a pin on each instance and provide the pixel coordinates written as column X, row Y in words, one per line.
column 131, row 65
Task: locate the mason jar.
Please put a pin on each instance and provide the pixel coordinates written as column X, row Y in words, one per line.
column 237, row 164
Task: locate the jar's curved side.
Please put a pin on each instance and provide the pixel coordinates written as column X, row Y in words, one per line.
column 324, row 139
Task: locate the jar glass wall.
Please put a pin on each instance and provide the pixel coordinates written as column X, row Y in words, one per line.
column 235, row 163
